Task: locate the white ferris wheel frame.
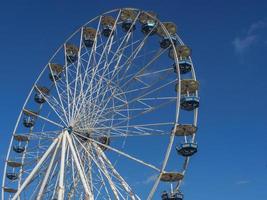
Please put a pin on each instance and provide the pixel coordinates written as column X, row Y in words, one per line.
column 64, row 139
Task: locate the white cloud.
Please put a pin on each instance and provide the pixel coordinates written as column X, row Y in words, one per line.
column 150, row 179
column 242, row 182
column 256, row 26
column 252, row 36
column 242, row 44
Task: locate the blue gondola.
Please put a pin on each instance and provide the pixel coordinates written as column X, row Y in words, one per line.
column 164, row 195
column 12, row 176
column 127, row 25
column 88, row 42
column 177, row 196
column 18, row 149
column 189, row 103
column 187, row 149
column 55, row 76
column 149, row 27
column 41, row 93
column 39, row 98
column 89, row 35
column 28, row 121
column 71, row 53
column 172, row 196
column 107, row 30
column 72, row 57
column 55, row 71
column 166, row 41
column 185, row 66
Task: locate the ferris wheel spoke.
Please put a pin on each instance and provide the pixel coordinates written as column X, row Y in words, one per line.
column 106, row 174
column 151, row 109
column 141, row 96
column 83, row 97
column 103, row 170
column 105, row 92
column 110, row 118
column 96, row 112
column 68, row 91
column 99, row 112
column 80, row 99
column 86, row 96
column 88, row 170
column 33, row 155
column 141, row 75
column 130, row 63
column 119, row 54
column 122, row 153
column 147, row 109
column 135, row 53
column 45, row 119
column 158, row 54
column 127, row 103
column 43, row 135
column 78, row 68
column 50, row 121
column 103, row 184
column 107, row 45
column 54, row 103
column 125, row 131
column 130, row 110
column 90, row 88
column 123, row 183
column 149, row 74
column 144, row 112
column 106, row 48
column 48, row 100
column 58, row 93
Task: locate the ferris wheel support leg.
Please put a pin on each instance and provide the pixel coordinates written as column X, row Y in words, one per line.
column 35, row 169
column 62, row 168
column 44, row 182
column 107, row 175
column 88, row 192
column 115, row 172
column 102, row 169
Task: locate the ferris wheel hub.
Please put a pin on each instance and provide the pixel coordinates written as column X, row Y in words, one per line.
column 70, row 129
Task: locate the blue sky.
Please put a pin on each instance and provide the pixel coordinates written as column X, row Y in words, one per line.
column 229, row 43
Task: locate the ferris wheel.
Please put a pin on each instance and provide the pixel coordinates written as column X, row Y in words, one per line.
column 113, row 115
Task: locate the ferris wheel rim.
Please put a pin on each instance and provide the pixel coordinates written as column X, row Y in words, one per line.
column 177, row 102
